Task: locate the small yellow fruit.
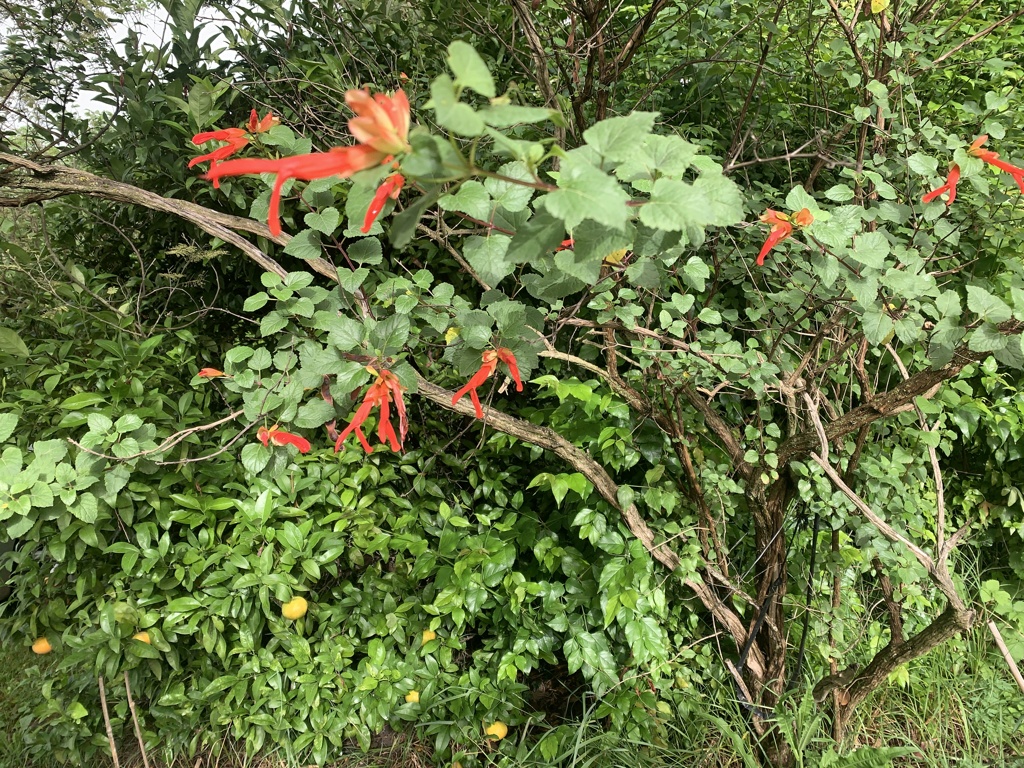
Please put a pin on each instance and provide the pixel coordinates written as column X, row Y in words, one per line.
column 142, row 637
column 428, row 635
column 41, row 646
column 412, row 697
column 497, row 729
column 295, row 608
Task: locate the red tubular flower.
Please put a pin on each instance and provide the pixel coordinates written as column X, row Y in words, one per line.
column 950, row 186
column 381, row 393
column 490, row 363
column 567, row 243
column 381, row 122
column 261, row 126
column 391, row 188
column 782, row 227
column 236, row 138
column 992, row 158
column 280, row 437
column 210, row 373
column 340, row 161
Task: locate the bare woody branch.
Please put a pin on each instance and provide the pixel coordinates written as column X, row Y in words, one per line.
column 24, row 182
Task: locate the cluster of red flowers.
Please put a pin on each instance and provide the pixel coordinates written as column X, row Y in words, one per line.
column 985, row 155
column 386, row 393
column 236, row 138
column 783, row 224
column 381, row 127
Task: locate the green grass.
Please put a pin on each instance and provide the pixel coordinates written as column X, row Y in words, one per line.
column 959, row 709
column 19, row 693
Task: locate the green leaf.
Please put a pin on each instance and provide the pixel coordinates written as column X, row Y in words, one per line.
column 507, row 115
column 472, row 198
column 668, row 156
column 488, row 257
column 798, row 199
column 305, row 245
column 469, row 69
column 271, row 323
column 870, row 249
column 256, row 301
column 923, row 165
column 313, row 414
column 584, row 192
column 390, row 335
column 987, row 338
column 989, row 307
column 677, row 206
column 366, row 250
column 878, row 326
column 619, row 138
column 452, row 114
column 11, row 343
column 538, row 237
column 350, row 279
column 86, row 508
column 325, row 221
column 840, row 193
column 82, row 400
column 255, row 457
column 696, row 273
column 8, row 421
column 948, row 304
column 507, row 194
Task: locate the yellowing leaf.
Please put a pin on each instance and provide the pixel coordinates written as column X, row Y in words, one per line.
column 615, row 256
column 877, row 6
column 451, row 335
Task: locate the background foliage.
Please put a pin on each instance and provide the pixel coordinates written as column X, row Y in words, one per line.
column 678, row 366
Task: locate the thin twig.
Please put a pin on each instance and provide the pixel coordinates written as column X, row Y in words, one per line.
column 106, row 722
column 135, row 720
column 1014, row 669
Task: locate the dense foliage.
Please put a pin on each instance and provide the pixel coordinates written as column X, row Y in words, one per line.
column 765, row 443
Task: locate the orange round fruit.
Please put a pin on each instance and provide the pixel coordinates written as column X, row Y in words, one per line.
column 295, row 608
column 428, row 635
column 142, row 637
column 412, row 697
column 41, row 646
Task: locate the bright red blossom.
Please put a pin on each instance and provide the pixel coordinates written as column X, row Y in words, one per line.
column 340, row 161
column 381, row 122
column 261, row 126
column 391, row 188
column 992, row 158
column 782, row 227
column 236, row 138
column 950, row 186
column 380, row 394
column 490, row 363
column 280, row 437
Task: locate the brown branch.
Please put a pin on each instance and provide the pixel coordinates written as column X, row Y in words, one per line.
column 636, row 39
column 106, row 723
column 851, row 39
column 974, row 38
column 135, row 721
column 1007, row 656
column 55, row 180
column 888, row 403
